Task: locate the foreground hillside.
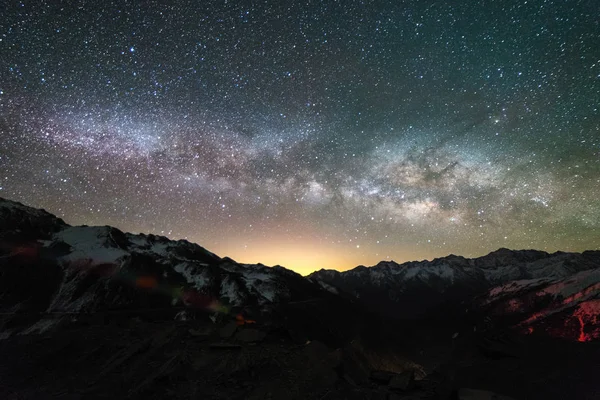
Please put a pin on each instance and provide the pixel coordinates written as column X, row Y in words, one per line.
column 93, row 312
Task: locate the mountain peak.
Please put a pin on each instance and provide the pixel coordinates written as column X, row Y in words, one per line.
column 26, row 222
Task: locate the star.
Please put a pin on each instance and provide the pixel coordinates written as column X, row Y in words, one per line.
column 266, row 131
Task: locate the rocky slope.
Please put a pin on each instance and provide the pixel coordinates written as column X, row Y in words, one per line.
column 562, row 307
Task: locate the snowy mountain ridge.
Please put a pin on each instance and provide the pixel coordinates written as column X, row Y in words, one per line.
column 499, row 266
column 50, row 268
column 393, row 288
column 495, row 268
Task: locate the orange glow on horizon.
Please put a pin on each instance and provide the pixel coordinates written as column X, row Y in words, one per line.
column 300, row 259
column 308, row 254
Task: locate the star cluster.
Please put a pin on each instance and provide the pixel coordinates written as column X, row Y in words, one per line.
column 312, row 134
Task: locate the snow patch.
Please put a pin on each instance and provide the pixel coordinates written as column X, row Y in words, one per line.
column 5, row 335
column 90, row 243
column 327, row 287
column 193, row 274
column 41, row 326
column 514, row 287
column 231, row 290
column 573, row 284
column 181, row 316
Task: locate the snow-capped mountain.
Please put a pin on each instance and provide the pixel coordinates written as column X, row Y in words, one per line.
column 50, row 268
column 412, row 288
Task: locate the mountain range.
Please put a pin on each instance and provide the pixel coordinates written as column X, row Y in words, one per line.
column 56, row 279
column 531, row 286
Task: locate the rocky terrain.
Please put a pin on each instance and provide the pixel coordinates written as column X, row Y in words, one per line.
column 93, row 312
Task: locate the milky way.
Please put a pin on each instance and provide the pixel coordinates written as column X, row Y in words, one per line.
column 309, row 134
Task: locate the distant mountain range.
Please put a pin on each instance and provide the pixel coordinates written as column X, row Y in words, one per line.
column 50, row 269
column 557, row 293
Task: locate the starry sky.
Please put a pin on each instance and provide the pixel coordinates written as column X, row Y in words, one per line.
column 311, row 134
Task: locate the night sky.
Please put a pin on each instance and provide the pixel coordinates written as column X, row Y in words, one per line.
column 305, row 133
